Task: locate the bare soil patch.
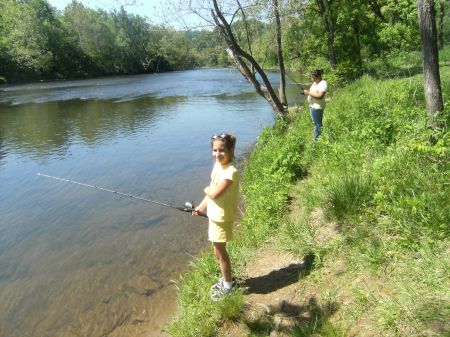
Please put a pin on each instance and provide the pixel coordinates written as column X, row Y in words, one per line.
column 279, row 294
column 273, row 302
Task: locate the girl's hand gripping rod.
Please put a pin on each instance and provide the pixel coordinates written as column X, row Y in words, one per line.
column 188, row 205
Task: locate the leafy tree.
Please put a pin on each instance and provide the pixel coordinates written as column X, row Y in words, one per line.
column 399, row 31
column 327, row 12
column 207, row 47
column 349, row 33
column 38, row 41
column 5, row 60
column 34, row 41
column 174, row 47
column 222, row 15
column 27, row 27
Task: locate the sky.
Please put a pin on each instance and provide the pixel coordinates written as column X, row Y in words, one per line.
column 152, row 9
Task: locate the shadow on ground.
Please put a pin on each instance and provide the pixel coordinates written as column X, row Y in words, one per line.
column 296, row 320
column 280, row 278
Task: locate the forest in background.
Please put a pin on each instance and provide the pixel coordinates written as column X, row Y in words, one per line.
column 38, row 42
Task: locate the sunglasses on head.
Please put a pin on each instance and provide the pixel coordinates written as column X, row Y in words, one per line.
column 220, row 136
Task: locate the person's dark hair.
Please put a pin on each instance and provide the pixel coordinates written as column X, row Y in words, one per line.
column 317, row 72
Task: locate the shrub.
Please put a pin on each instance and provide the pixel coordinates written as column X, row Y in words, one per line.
column 347, row 194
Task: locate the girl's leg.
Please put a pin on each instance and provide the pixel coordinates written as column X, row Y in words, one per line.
column 220, row 251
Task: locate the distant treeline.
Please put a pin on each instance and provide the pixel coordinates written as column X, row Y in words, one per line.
column 345, row 36
column 39, row 42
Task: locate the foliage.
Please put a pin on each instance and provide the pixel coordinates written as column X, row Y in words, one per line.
column 272, row 167
column 28, row 30
column 39, row 42
column 388, row 123
column 36, row 41
column 347, row 194
column 446, row 23
column 358, row 31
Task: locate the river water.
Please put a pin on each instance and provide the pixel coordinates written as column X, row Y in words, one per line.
column 78, row 261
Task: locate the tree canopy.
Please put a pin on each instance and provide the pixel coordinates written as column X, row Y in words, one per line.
column 39, row 42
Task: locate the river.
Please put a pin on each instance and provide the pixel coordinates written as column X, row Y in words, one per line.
column 79, row 261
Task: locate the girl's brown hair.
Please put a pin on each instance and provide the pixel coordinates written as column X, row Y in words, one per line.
column 227, row 138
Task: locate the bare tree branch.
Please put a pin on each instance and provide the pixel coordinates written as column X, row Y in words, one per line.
column 239, row 55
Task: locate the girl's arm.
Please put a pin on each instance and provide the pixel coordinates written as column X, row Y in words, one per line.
column 217, row 191
column 200, row 208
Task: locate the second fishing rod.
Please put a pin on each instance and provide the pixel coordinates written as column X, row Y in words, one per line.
column 188, row 205
column 295, row 82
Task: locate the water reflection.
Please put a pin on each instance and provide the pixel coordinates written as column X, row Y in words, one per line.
column 42, row 130
column 3, row 149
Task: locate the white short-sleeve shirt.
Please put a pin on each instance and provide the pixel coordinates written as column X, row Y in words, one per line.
column 316, row 88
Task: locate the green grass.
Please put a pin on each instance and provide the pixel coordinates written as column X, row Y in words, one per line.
column 347, row 194
column 376, row 173
column 384, row 186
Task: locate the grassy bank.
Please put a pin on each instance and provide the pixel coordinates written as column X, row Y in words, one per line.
column 384, row 188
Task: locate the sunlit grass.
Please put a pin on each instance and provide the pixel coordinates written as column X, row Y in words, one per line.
column 376, row 174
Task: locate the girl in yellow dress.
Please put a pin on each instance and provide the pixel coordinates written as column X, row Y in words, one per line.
column 220, row 204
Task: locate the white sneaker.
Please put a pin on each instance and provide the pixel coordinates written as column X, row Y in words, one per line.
column 219, row 291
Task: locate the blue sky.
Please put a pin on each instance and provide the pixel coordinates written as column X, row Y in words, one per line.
column 153, row 9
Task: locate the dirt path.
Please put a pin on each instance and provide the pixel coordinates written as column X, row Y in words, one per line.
column 272, row 298
column 279, row 296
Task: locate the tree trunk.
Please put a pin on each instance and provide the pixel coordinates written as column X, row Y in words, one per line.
column 357, row 33
column 432, row 81
column 280, row 55
column 240, row 56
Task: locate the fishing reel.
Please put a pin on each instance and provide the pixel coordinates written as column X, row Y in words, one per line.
column 189, row 206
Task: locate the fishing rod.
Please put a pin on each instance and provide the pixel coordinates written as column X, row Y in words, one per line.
column 295, row 82
column 188, row 205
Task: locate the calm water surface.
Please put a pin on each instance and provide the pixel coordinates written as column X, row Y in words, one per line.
column 76, row 261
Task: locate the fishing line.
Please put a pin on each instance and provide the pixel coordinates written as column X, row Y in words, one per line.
column 188, row 205
column 295, row 82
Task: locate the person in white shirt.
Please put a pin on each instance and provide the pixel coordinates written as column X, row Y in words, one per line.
column 316, row 100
